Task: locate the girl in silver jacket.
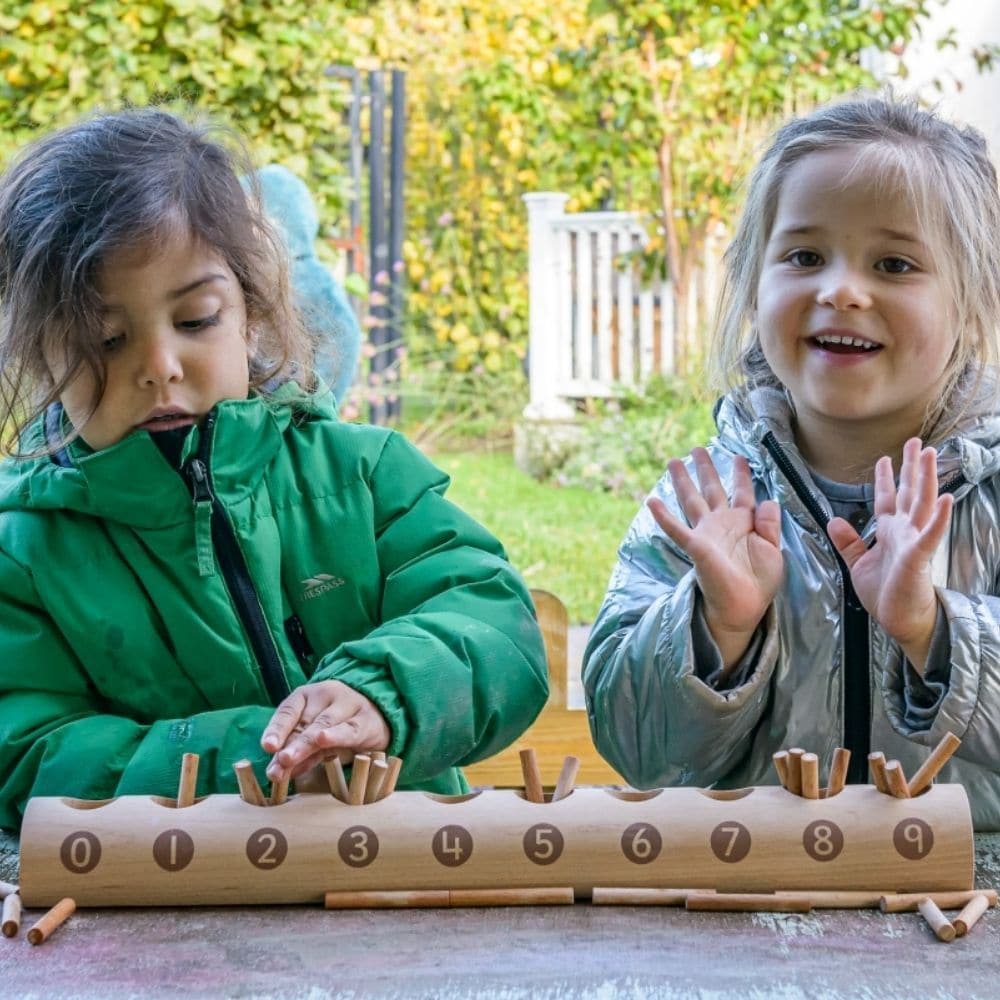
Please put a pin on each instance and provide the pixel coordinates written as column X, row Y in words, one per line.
column 784, row 586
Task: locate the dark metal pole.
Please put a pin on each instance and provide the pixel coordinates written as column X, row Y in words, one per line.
column 397, row 153
column 378, row 258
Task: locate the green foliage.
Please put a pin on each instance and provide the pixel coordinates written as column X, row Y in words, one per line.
column 260, row 65
column 625, row 450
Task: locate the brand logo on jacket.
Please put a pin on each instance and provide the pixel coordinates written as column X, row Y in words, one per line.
column 313, row 586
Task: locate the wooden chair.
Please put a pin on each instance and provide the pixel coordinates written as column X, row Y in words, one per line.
column 559, row 731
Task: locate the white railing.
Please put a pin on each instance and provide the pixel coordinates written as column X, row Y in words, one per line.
column 592, row 325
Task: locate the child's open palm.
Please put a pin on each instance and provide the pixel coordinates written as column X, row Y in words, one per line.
column 893, row 578
column 734, row 546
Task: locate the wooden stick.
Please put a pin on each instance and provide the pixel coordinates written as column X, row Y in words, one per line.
column 939, row 923
column 558, row 896
column 189, row 781
column 11, row 919
column 781, row 766
column 391, row 777
column 389, row 900
column 838, row 772
column 377, row 755
column 532, row 777
column 6, row 889
column 747, row 902
column 939, row 756
column 906, row 902
column 250, row 790
column 809, row 765
column 359, row 779
column 50, row 921
column 973, row 910
column 336, row 779
column 876, row 764
column 837, row 899
column 612, row 896
column 567, row 778
column 795, row 770
column 279, row 792
column 376, row 777
column 896, row 780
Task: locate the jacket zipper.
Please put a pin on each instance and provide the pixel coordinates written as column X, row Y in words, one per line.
column 234, row 568
column 857, row 665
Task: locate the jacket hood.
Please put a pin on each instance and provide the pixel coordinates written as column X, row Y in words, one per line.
column 131, row 482
column 745, row 416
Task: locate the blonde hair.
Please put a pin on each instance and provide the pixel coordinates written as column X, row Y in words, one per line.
column 945, row 171
column 127, row 180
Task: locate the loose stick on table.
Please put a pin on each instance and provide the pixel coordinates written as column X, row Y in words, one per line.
column 837, row 899
column 876, row 763
column 939, row 923
column 51, row 920
column 613, row 896
column 359, row 779
column 11, row 919
column 938, row 758
column 376, row 777
column 250, row 790
column 906, row 902
column 809, row 765
column 336, row 779
column 558, row 896
column 838, row 772
column 896, row 780
column 6, row 889
column 386, row 900
column 795, row 770
column 532, row 777
column 972, row 911
column 747, row 902
column 279, row 792
column 567, row 778
column 189, row 780
column 391, row 777
column 781, row 766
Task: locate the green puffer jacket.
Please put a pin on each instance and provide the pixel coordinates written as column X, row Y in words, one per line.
column 122, row 646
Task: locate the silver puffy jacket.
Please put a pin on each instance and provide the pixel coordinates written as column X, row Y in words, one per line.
column 659, row 724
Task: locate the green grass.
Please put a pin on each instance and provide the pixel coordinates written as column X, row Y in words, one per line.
column 562, row 539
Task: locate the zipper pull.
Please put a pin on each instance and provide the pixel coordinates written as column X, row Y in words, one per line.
column 201, row 491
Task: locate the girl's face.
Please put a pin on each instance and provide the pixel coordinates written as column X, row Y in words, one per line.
column 176, row 342
column 852, row 310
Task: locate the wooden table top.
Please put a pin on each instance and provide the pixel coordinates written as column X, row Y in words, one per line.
column 542, row 953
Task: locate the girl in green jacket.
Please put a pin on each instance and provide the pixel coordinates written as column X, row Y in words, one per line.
column 195, row 556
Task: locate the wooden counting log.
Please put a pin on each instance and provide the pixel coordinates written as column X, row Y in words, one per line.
column 140, row 851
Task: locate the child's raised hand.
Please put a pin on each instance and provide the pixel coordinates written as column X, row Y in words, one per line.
column 315, row 722
column 735, row 548
column 893, row 578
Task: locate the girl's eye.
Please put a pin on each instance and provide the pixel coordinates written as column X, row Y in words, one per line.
column 894, row 265
column 202, row 323
column 111, row 344
column 804, row 258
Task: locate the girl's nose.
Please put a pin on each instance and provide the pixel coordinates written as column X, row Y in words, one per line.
column 159, row 363
column 843, row 288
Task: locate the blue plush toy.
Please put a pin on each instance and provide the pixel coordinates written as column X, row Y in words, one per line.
column 328, row 314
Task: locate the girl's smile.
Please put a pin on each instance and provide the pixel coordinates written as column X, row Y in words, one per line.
column 853, row 314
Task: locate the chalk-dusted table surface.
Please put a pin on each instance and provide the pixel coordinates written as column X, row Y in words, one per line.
column 542, row 953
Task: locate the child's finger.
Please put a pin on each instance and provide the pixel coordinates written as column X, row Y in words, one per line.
column 932, row 533
column 767, row 521
column 743, row 495
column 709, row 482
column 926, row 490
column 690, row 501
column 675, row 530
column 909, row 475
column 286, row 717
column 846, row 541
column 885, row 488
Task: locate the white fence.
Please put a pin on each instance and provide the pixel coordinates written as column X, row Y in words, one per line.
column 591, row 324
